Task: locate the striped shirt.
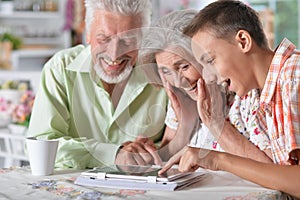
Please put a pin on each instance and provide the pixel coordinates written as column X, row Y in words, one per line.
column 280, row 101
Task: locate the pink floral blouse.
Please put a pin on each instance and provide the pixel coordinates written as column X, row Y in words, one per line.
column 242, row 115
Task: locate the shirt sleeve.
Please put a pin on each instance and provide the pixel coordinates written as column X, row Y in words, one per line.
column 171, row 119
column 291, row 98
column 50, row 120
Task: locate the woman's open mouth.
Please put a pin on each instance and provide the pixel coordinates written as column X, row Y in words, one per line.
column 191, row 88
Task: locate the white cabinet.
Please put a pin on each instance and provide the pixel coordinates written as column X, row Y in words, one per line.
column 42, row 32
column 12, row 149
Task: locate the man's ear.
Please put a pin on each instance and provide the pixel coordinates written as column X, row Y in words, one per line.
column 244, row 40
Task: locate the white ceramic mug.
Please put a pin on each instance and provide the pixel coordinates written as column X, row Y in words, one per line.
column 42, row 154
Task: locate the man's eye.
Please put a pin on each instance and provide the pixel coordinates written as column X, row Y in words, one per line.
column 128, row 41
column 103, row 40
column 165, row 71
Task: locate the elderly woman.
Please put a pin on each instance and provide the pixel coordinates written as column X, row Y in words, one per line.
column 167, row 51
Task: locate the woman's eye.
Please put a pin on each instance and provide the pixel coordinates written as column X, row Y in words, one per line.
column 184, row 67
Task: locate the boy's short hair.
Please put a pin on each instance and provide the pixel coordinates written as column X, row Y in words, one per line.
column 224, row 18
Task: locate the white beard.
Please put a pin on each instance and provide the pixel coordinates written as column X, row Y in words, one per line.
column 113, row 79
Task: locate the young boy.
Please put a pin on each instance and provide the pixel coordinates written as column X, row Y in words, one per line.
column 236, row 51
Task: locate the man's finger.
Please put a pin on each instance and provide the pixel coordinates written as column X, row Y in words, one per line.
column 126, row 143
column 144, row 140
column 144, row 153
column 140, row 155
column 124, row 158
column 154, row 153
column 137, row 152
column 139, row 159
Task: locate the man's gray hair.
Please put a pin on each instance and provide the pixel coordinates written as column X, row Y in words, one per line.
column 143, row 8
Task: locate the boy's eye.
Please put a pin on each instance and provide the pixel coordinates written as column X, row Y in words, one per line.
column 210, row 61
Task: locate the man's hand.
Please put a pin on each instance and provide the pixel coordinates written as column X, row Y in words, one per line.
column 142, row 151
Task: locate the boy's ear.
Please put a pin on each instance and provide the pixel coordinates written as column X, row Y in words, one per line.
column 244, row 40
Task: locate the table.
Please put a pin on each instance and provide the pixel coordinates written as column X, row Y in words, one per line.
column 18, row 183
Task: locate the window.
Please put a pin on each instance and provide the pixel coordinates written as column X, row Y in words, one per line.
column 286, row 15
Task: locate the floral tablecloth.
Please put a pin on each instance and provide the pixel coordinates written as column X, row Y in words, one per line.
column 18, row 183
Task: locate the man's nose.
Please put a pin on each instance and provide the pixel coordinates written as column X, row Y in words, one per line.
column 114, row 48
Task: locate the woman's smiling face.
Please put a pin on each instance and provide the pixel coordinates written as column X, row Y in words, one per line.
column 178, row 72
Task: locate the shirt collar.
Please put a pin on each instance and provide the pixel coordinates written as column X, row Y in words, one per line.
column 82, row 62
column 282, row 53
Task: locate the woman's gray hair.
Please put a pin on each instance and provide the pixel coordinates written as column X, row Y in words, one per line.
column 122, row 7
column 166, row 35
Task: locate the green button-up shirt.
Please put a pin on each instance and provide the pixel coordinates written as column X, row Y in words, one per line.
column 71, row 105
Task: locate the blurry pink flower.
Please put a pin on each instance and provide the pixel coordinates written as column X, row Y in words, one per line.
column 22, row 112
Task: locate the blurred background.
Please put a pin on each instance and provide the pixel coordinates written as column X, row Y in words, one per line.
column 31, row 31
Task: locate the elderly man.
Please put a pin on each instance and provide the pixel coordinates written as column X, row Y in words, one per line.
column 95, row 99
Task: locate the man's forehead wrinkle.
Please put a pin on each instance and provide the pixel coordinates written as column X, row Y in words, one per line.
column 127, row 33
